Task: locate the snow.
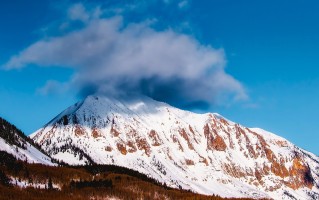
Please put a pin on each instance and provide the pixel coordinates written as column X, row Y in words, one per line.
column 267, row 135
column 26, row 183
column 68, row 157
column 31, row 154
column 135, row 118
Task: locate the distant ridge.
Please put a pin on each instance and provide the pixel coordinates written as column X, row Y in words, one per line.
column 13, row 141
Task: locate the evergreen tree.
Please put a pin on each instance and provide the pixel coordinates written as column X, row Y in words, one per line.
column 4, row 179
column 50, row 184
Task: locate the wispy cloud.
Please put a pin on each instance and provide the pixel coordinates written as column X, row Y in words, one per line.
column 53, row 87
column 112, row 58
column 78, row 12
column 183, row 4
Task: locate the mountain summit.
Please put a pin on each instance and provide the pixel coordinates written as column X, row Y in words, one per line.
column 205, row 153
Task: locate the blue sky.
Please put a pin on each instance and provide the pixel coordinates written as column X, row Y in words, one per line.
column 266, row 58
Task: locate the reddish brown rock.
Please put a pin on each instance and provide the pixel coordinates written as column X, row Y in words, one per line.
column 96, row 133
column 224, row 122
column 183, row 133
column 218, row 143
column 300, row 175
column 192, row 131
column 143, row 145
column 281, row 143
column 214, row 143
column 234, row 171
column 79, row 131
column 231, row 143
column 131, row 147
column 156, row 141
column 209, row 137
column 189, row 162
column 175, row 140
column 108, row 148
column 203, row 160
column 114, row 132
column 122, row 148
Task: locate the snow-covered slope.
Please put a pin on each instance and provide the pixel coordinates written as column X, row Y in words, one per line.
column 15, row 143
column 205, row 153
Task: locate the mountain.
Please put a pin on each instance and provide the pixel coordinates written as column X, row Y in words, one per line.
column 14, row 142
column 204, row 153
column 40, row 179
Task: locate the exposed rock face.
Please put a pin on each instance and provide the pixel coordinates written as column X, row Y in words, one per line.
column 205, row 153
column 156, row 141
column 122, row 148
column 218, row 143
column 301, row 174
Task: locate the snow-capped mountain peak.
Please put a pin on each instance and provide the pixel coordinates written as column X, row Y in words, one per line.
column 205, row 153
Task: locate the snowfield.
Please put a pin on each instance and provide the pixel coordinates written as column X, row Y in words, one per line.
column 30, row 154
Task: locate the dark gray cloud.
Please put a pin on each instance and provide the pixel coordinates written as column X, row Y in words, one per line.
column 115, row 59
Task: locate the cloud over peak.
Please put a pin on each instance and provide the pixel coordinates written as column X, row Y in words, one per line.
column 112, row 58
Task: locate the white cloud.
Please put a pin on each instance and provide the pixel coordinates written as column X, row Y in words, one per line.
column 111, row 58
